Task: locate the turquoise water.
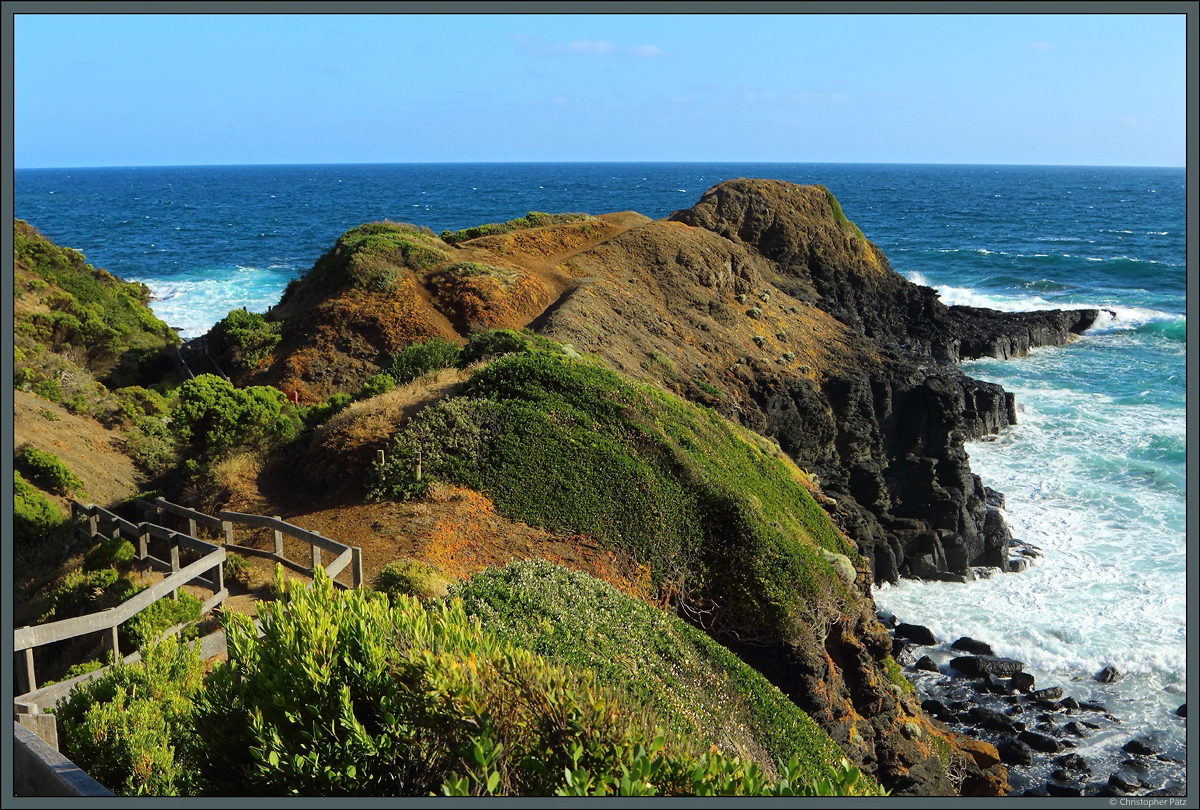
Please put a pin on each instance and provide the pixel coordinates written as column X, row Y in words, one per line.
column 1094, row 471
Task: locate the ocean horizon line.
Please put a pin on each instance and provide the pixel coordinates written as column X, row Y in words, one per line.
column 597, row 163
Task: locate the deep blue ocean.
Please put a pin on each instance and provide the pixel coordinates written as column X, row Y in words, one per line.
column 1094, row 473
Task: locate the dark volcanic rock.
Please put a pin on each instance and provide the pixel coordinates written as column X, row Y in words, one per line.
column 980, row 665
column 926, row 664
column 1121, row 783
column 1021, row 682
column 1040, row 742
column 1015, row 752
column 968, row 644
column 1073, row 762
column 1109, row 674
column 917, row 633
column 1139, row 747
column 1047, row 695
column 988, row 718
column 1182, row 710
column 1055, row 789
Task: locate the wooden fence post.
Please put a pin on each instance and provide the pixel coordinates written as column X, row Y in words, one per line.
column 316, row 558
column 30, row 676
column 356, row 566
column 278, row 540
column 192, row 527
column 93, row 525
column 143, row 541
column 174, row 560
column 227, row 525
column 115, row 643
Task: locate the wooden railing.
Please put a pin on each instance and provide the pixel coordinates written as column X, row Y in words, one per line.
column 345, row 556
column 207, row 571
column 93, row 522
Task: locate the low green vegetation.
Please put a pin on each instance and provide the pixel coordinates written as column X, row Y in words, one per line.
column 840, row 217
column 48, row 471
column 85, row 308
column 40, row 530
column 723, row 523
column 349, row 693
column 374, row 256
column 688, row 681
column 533, row 219
column 411, row 578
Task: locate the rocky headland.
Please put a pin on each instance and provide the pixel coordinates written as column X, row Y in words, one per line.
column 765, row 304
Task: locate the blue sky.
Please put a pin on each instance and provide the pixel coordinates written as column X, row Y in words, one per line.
column 128, row 90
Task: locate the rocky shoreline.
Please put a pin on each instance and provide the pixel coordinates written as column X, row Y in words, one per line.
column 1046, row 738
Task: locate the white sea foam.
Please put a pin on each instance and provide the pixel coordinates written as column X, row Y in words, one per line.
column 193, row 306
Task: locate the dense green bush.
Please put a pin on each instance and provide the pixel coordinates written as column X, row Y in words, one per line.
column 422, row 358
column 131, row 729
column 316, row 414
column 212, row 417
column 493, row 343
column 91, row 309
column 48, row 471
column 244, row 339
column 375, row 385
column 114, row 552
column 149, row 624
column 82, row 592
column 35, row 518
column 374, row 256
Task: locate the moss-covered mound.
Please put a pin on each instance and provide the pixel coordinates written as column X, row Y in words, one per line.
column 724, row 521
column 534, row 219
column 693, row 685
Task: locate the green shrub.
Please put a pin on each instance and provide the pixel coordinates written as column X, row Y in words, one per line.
column 82, row 592
column 491, row 344
column 237, row 568
column 131, row 729
column 375, row 385
column 47, row 471
column 688, row 681
column 150, row 443
column 244, row 339
column 151, row 623
column 135, row 402
column 115, row 552
column 212, row 417
column 35, row 518
column 316, row 414
column 411, row 578
column 422, row 358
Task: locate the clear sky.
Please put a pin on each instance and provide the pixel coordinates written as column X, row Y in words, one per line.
column 150, row 89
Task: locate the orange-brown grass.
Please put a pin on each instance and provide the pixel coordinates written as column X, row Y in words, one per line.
column 490, row 301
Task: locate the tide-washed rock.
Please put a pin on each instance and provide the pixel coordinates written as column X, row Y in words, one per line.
column 979, row 665
column 989, row 719
column 1109, row 674
column 1077, row 729
column 1182, row 711
column 1055, row 789
column 1069, row 703
column 968, row 644
column 925, row 664
column 1021, row 682
column 1073, row 762
column 1040, row 742
column 1047, row 695
column 917, row 633
column 1138, row 747
column 1015, row 752
column 1121, row 783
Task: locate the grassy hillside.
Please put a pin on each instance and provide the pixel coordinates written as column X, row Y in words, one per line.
column 723, row 520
